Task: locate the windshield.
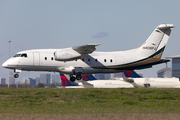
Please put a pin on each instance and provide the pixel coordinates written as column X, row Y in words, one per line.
column 20, row 55
column 24, row 55
column 17, row 55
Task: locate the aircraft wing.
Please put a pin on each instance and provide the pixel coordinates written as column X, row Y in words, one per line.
column 85, row 49
column 87, row 85
column 74, row 53
column 129, row 80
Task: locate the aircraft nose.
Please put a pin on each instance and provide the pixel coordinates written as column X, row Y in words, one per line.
column 5, row 64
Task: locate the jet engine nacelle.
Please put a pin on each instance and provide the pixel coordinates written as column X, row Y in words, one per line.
column 66, row 55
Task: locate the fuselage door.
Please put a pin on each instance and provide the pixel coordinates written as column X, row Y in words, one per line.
column 36, row 59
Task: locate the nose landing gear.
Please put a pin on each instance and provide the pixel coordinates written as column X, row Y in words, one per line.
column 16, row 71
column 16, row 75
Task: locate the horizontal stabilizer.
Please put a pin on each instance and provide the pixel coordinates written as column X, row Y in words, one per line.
column 165, row 26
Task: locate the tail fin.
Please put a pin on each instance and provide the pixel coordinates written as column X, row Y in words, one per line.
column 155, row 44
column 88, row 77
column 65, row 82
column 132, row 74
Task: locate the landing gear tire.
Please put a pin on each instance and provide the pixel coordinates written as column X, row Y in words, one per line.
column 78, row 77
column 16, row 75
column 72, row 78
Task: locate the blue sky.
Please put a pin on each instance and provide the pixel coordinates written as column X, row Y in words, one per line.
column 116, row 25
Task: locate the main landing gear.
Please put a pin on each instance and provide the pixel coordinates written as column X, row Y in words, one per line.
column 73, row 78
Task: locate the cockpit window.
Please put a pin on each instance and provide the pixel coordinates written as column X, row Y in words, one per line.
column 17, row 55
column 20, row 55
column 24, row 55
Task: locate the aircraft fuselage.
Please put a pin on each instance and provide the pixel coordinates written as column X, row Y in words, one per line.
column 43, row 60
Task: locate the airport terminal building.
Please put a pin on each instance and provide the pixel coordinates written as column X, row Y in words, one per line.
column 175, row 65
column 165, row 72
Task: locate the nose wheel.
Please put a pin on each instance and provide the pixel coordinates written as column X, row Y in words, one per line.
column 16, row 75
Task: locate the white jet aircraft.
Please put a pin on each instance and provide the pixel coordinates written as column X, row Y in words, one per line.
column 77, row 61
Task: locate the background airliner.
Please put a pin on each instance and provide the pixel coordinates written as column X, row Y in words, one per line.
column 154, row 82
column 138, row 81
column 132, row 80
column 82, row 60
column 89, row 81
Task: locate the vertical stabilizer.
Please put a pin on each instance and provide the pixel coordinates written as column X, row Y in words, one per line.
column 155, row 44
column 65, row 82
column 132, row 74
column 88, row 77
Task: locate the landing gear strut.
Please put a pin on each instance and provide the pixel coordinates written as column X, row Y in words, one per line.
column 78, row 77
column 16, row 75
column 16, row 71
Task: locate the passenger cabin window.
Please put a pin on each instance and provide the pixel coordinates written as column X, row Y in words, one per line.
column 104, row 60
column 45, row 58
column 96, row 60
column 111, row 60
column 51, row 58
